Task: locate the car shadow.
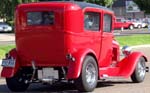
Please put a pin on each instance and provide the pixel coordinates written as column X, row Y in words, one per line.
column 62, row 88
column 4, row 89
column 102, row 84
column 59, row 88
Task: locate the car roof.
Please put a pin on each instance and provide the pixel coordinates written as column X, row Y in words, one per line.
column 82, row 5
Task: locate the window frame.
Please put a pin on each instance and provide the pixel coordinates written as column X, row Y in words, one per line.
column 111, row 18
column 94, row 14
column 41, row 18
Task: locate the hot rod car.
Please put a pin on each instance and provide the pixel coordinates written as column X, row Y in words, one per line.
column 67, row 41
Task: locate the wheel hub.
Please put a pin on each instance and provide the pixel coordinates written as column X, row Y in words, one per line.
column 141, row 71
column 90, row 74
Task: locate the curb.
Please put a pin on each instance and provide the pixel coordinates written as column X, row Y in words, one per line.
column 139, row 46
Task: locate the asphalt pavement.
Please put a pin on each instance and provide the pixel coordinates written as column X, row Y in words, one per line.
column 128, row 32
column 7, row 38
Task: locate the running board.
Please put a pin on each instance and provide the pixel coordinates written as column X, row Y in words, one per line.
column 105, row 76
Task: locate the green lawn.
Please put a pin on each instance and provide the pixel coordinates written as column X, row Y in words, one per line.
column 134, row 40
column 4, row 49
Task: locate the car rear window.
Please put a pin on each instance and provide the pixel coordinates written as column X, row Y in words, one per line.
column 40, row 18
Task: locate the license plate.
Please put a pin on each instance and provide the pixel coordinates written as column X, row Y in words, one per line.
column 50, row 73
column 8, row 63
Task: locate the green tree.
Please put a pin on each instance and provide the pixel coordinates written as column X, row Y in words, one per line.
column 106, row 3
column 144, row 5
column 7, row 7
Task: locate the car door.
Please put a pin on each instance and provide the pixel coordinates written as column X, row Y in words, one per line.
column 92, row 27
column 106, row 45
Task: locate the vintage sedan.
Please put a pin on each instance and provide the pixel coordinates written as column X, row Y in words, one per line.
column 69, row 42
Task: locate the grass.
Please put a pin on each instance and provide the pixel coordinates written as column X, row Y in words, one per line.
column 134, row 40
column 4, row 49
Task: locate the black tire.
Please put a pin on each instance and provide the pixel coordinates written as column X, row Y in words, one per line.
column 131, row 27
column 139, row 72
column 87, row 80
column 17, row 82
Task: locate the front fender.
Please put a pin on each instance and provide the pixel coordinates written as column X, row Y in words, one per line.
column 9, row 71
column 128, row 64
column 74, row 68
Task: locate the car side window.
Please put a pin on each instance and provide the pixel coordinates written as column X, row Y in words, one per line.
column 118, row 20
column 91, row 21
column 107, row 26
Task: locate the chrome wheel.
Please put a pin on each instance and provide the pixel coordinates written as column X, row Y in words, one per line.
column 140, row 71
column 90, row 74
column 87, row 80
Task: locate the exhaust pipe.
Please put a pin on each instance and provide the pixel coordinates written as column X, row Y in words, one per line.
column 34, row 71
column 147, row 69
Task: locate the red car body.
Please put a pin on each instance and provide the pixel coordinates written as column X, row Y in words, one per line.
column 66, row 43
column 120, row 23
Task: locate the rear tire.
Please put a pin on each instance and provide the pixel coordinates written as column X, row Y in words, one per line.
column 139, row 72
column 87, row 80
column 17, row 82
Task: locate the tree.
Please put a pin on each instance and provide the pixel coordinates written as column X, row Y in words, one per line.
column 106, row 3
column 144, row 5
column 7, row 7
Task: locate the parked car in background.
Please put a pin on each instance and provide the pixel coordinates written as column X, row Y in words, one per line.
column 121, row 23
column 4, row 27
column 139, row 24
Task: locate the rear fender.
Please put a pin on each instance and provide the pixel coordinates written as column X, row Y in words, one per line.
column 74, row 68
column 9, row 71
column 128, row 64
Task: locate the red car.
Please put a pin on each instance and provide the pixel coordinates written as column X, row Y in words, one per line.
column 121, row 23
column 67, row 41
